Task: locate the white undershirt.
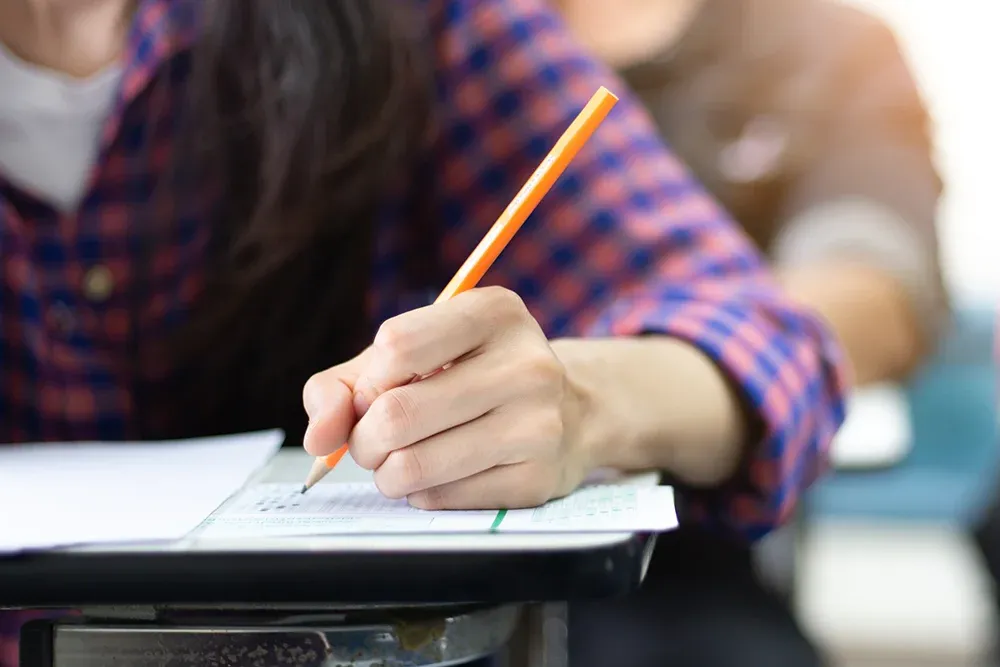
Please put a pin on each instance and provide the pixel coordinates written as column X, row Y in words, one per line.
column 50, row 126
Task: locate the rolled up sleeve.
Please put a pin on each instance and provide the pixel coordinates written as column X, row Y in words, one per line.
column 625, row 244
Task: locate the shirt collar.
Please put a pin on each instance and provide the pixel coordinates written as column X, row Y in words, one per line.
column 161, row 30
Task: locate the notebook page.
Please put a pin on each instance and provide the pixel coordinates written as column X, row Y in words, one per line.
column 58, row 495
column 599, row 508
column 276, row 510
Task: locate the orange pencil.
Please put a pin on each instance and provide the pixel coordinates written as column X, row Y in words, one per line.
column 503, row 230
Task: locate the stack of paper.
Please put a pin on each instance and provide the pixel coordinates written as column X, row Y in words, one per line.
column 88, row 494
column 102, row 493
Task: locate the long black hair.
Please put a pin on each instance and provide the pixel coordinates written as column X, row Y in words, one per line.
column 305, row 111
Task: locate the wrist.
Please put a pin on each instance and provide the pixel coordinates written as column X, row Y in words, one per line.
column 601, row 431
column 651, row 403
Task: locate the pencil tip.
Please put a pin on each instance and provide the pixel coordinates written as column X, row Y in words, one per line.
column 304, row 488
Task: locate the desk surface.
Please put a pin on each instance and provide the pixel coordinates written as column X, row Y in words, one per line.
column 336, row 570
column 877, row 433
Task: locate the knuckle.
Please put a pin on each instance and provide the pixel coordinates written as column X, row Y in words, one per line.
column 432, row 499
column 543, row 373
column 402, row 473
column 385, row 484
column 364, row 457
column 393, row 343
column 395, row 414
column 503, row 303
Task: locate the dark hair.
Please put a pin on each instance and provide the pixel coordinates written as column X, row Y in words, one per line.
column 303, row 109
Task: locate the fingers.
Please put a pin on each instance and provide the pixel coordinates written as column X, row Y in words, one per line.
column 505, row 487
column 452, row 455
column 419, row 342
column 328, row 398
column 481, row 427
column 409, row 414
column 334, row 418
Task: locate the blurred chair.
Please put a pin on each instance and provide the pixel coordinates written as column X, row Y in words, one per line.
column 886, row 570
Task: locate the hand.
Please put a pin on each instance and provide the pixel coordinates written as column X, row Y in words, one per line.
column 459, row 405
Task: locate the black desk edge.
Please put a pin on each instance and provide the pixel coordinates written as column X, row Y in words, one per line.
column 176, row 579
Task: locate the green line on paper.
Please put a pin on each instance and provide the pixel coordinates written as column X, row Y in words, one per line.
column 498, row 520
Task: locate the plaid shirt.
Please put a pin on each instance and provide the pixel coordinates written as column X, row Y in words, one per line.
column 624, row 244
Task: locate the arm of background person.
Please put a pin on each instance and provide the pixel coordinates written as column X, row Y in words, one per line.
column 627, row 248
column 860, row 244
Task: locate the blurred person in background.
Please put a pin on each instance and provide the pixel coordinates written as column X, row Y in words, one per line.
column 802, row 118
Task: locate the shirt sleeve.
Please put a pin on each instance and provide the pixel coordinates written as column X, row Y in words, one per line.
column 625, row 243
column 870, row 190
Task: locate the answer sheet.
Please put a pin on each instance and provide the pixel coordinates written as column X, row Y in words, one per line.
column 281, row 510
column 58, row 495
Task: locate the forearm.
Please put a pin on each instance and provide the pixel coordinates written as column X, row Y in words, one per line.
column 654, row 403
column 869, row 312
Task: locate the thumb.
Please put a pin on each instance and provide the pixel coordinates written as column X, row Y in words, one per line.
column 328, row 398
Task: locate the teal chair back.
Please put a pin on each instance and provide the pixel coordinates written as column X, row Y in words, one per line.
column 951, row 471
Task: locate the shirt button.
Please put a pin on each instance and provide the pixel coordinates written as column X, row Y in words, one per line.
column 98, row 283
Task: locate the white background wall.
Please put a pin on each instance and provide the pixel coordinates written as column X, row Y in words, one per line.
column 954, row 48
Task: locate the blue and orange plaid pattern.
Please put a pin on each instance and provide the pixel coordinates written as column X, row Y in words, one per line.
column 625, row 244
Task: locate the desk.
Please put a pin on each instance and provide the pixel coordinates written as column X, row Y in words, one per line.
column 877, row 432
column 329, row 597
